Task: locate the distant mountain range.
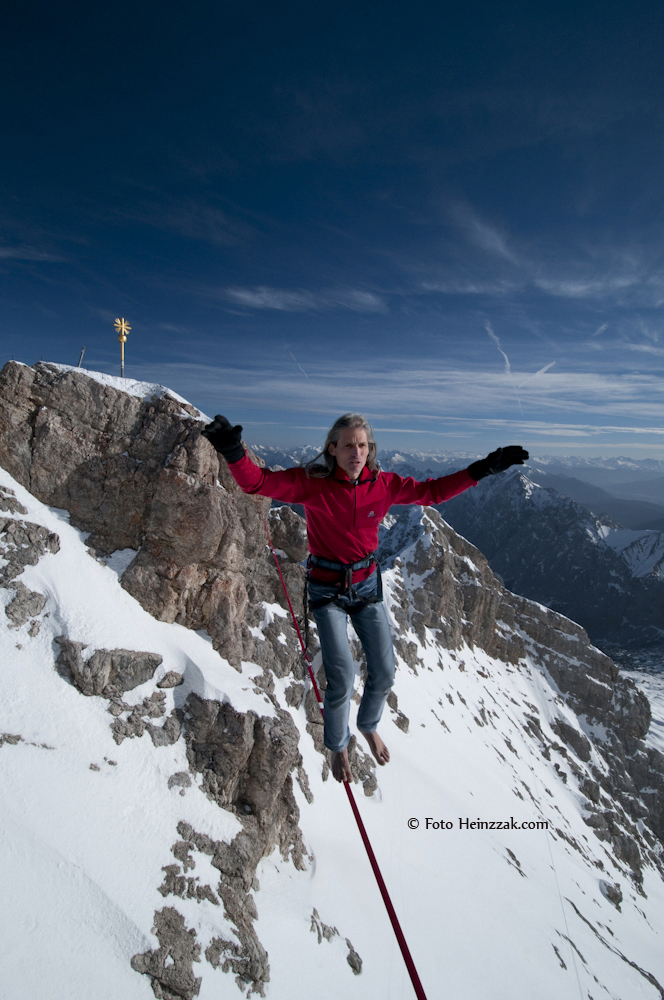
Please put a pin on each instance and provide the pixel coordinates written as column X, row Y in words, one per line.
column 551, row 549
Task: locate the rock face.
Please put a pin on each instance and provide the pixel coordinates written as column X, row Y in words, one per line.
column 22, row 544
column 136, row 473
column 27, row 604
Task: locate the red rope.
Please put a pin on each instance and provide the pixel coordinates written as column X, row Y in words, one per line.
column 391, row 912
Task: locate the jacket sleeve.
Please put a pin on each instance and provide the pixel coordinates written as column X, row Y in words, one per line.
column 290, row 485
column 432, row 491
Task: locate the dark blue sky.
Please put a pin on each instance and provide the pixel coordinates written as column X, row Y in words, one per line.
column 447, row 216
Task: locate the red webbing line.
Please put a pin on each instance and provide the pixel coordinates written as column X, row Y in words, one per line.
column 394, row 920
column 391, row 912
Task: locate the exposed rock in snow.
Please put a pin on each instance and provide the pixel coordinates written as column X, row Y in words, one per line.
column 25, row 605
column 171, row 965
column 107, row 672
column 22, row 544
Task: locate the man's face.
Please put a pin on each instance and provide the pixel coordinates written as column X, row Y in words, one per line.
column 351, row 451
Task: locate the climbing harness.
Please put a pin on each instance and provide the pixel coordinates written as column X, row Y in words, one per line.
column 394, row 920
column 345, row 586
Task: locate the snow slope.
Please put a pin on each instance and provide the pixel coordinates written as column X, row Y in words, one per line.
column 643, row 551
column 487, row 913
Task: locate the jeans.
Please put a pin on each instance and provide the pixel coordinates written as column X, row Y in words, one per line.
column 373, row 631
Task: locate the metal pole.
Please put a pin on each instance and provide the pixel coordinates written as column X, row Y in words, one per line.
column 81, row 357
column 122, row 327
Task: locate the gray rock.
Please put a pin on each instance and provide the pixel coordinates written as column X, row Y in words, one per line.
column 107, row 672
column 25, row 605
column 169, row 733
column 10, row 738
column 246, row 765
column 170, row 680
column 576, row 740
column 136, row 722
column 322, row 930
column 23, row 544
column 9, row 502
column 170, row 966
column 353, row 959
column 138, row 474
column 612, row 892
column 289, row 533
column 181, row 779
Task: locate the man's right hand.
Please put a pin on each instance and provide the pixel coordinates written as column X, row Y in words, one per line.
column 227, row 440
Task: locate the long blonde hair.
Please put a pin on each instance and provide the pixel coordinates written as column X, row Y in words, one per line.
column 315, row 469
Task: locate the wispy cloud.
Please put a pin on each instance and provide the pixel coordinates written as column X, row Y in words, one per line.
column 192, row 218
column 586, row 288
column 30, row 253
column 540, row 372
column 494, row 338
column 508, row 367
column 476, row 256
column 565, row 403
column 286, row 300
column 483, row 234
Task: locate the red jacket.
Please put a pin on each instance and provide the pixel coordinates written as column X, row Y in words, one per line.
column 342, row 516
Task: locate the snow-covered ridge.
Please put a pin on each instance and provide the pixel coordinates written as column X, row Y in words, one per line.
column 643, row 551
column 141, row 390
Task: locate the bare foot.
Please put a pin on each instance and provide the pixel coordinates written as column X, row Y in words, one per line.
column 377, row 747
column 341, row 766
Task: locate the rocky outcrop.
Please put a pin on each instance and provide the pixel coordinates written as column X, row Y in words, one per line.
column 23, row 544
column 171, row 966
column 136, row 473
column 27, row 604
column 107, row 672
column 9, row 502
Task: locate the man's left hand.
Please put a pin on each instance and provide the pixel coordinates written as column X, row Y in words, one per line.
column 498, row 461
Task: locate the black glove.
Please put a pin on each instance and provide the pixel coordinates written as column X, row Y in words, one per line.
column 226, row 439
column 498, row 461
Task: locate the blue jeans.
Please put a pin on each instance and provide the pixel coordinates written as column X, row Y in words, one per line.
column 373, row 632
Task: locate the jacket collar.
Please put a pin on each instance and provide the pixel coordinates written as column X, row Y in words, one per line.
column 365, row 476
